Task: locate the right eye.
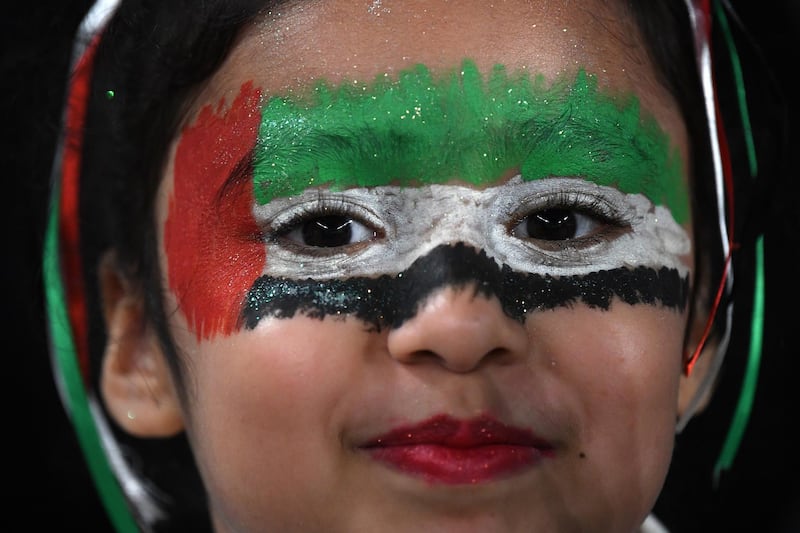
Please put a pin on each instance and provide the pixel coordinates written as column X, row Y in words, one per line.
column 568, row 219
column 557, row 224
column 327, row 231
column 324, row 225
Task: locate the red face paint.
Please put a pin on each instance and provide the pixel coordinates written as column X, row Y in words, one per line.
column 210, row 236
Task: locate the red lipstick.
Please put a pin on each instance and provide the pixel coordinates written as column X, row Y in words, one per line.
column 445, row 450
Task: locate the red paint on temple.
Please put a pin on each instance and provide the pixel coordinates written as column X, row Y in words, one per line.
column 210, row 236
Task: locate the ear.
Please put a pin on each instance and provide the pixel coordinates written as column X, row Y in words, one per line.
column 135, row 381
column 691, row 385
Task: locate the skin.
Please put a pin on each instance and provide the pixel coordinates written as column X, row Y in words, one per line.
column 276, row 413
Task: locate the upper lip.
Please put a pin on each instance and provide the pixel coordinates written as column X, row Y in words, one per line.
column 444, row 430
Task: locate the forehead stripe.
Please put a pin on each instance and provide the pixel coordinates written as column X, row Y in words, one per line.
column 420, row 129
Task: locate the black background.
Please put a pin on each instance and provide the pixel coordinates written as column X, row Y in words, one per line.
column 50, row 486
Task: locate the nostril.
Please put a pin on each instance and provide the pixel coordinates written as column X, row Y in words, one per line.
column 500, row 356
column 460, row 331
column 421, row 356
column 427, row 353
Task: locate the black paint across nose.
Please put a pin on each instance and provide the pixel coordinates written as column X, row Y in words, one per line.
column 390, row 300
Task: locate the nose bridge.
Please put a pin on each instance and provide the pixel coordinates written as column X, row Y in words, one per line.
column 459, row 328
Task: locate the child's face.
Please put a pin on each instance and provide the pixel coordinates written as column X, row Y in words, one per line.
column 453, row 302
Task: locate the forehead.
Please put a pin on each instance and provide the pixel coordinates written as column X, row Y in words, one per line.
column 292, row 47
column 339, row 40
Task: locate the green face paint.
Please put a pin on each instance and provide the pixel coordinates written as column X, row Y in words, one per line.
column 419, row 130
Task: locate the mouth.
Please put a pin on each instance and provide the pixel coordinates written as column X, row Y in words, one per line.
column 445, row 450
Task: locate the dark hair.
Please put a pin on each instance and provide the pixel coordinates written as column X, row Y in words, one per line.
column 154, row 56
column 668, row 37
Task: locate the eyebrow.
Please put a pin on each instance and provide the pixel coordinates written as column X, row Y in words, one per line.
column 420, row 130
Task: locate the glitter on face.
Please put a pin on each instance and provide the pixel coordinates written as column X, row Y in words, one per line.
column 420, row 129
column 411, row 134
column 391, row 300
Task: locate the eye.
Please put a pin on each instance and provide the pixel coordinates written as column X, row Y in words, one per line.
column 576, row 218
column 556, row 224
column 328, row 231
column 324, row 225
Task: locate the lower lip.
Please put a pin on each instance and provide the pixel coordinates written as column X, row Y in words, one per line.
column 458, row 466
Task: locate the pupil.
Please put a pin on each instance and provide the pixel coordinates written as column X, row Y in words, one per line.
column 552, row 225
column 327, row 232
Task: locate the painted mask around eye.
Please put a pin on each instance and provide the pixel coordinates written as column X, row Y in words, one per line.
column 369, row 197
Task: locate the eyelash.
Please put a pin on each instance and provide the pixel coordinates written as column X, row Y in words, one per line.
column 322, row 206
column 591, row 219
column 596, row 208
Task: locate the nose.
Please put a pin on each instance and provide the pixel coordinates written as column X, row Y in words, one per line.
column 460, row 330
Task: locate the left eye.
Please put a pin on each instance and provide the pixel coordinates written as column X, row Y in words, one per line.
column 556, row 224
column 328, row 231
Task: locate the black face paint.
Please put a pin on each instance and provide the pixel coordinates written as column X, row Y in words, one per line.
column 390, row 300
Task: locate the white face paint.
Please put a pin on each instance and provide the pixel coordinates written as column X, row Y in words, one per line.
column 413, row 221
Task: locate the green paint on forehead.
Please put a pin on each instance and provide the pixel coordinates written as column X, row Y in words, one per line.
column 419, row 129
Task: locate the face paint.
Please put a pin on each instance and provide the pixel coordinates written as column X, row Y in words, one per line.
column 638, row 260
column 413, row 221
column 378, row 153
column 210, row 237
column 391, row 300
column 421, row 130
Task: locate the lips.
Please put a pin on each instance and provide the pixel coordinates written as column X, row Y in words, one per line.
column 455, row 452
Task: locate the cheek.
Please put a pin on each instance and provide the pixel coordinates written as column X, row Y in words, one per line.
column 629, row 354
column 619, row 371
column 266, row 423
